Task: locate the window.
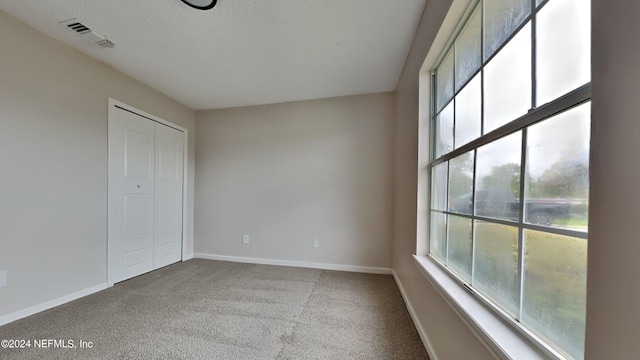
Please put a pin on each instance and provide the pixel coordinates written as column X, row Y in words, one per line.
column 510, row 163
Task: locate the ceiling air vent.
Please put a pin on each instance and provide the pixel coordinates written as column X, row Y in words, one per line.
column 81, row 29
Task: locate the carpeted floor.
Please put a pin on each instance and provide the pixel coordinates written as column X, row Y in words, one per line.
column 204, row 309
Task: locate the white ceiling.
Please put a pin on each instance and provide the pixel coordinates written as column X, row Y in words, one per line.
column 242, row 52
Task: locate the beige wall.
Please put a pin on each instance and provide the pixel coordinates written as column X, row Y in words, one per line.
column 287, row 173
column 53, row 199
column 449, row 337
column 613, row 287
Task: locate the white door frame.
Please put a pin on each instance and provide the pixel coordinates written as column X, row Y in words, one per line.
column 113, row 105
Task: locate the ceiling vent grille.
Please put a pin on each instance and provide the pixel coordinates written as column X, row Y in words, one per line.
column 81, row 29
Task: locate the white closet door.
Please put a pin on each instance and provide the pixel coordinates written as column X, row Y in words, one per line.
column 131, row 195
column 168, row 196
column 146, row 161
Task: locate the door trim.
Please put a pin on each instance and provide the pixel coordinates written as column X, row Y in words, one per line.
column 115, row 105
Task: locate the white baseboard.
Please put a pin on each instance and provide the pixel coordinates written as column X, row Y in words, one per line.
column 414, row 317
column 50, row 304
column 187, row 257
column 303, row 264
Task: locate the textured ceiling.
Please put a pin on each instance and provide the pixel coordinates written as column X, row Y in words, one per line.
column 242, row 52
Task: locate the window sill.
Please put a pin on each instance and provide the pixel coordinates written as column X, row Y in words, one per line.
column 503, row 339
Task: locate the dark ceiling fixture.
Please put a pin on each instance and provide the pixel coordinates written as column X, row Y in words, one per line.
column 201, row 4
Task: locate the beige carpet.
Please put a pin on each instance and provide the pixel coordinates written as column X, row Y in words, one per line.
column 203, row 309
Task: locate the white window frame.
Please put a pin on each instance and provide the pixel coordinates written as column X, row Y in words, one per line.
column 504, row 337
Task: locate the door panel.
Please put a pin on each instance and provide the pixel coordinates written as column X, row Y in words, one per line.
column 131, row 195
column 166, row 214
column 136, row 250
column 136, row 207
column 168, row 195
column 166, row 252
column 168, row 153
column 136, row 261
column 138, row 155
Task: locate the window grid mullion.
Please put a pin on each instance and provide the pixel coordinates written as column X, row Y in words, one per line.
column 521, row 217
column 453, row 99
column 524, row 163
column 473, row 221
column 446, row 221
column 551, row 230
column 534, row 66
column 481, row 70
column 434, row 108
column 568, row 101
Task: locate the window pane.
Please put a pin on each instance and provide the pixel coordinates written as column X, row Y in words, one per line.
column 557, row 181
column 439, row 187
column 501, row 18
column 554, row 294
column 444, row 131
column 507, row 82
column 459, row 252
column 461, row 183
column 468, row 112
column 438, row 240
column 445, row 81
column 496, row 264
column 563, row 57
column 468, row 53
column 498, row 178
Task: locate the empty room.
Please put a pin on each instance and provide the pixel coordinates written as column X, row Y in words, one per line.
column 293, row 179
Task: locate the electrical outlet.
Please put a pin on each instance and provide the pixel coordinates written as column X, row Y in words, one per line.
column 245, row 239
column 316, row 243
column 3, row 278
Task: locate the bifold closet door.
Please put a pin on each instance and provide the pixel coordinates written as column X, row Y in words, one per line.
column 169, row 161
column 145, row 195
